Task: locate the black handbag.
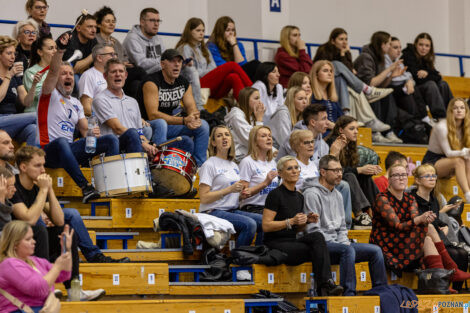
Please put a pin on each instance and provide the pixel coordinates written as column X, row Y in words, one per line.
column 434, row 281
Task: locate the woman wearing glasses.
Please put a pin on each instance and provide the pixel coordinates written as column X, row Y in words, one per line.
column 283, row 219
column 408, row 238
column 427, row 196
column 449, row 145
column 25, row 32
column 37, row 10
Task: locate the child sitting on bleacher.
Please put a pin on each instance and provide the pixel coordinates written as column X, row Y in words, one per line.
column 449, row 145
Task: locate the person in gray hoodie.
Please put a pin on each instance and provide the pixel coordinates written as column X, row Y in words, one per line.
column 142, row 44
column 322, row 198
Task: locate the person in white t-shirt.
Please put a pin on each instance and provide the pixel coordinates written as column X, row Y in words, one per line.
column 58, row 115
column 220, row 188
column 92, row 81
column 258, row 170
column 303, row 143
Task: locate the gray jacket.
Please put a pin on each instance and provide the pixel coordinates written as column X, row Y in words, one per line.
column 199, row 61
column 321, row 147
column 367, row 65
column 329, row 206
column 142, row 51
column 281, row 125
column 5, row 213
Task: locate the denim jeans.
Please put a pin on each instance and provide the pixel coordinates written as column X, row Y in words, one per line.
column 69, row 156
column 73, row 218
column 346, row 256
column 198, row 148
column 130, row 142
column 21, row 127
column 345, row 191
column 246, row 224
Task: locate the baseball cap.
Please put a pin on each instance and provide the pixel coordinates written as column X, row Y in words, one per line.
column 170, row 54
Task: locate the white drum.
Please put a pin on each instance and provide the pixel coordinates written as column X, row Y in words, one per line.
column 122, row 174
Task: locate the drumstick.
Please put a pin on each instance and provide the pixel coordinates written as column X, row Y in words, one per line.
column 84, row 13
column 170, row 141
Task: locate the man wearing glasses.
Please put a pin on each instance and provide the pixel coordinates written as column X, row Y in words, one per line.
column 92, row 81
column 323, row 199
column 83, row 39
column 142, row 44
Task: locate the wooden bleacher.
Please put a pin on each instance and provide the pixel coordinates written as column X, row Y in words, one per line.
column 459, row 86
column 151, row 273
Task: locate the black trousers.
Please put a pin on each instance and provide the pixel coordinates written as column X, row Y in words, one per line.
column 412, row 104
column 359, row 201
column 436, row 96
column 48, row 247
column 309, row 248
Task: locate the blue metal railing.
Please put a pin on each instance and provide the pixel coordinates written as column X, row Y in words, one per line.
column 255, row 43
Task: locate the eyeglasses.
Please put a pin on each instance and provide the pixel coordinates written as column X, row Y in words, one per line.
column 295, row 167
column 113, row 54
column 399, row 176
column 152, row 20
column 309, row 142
column 41, row 7
column 30, row 32
column 429, row 176
column 334, row 170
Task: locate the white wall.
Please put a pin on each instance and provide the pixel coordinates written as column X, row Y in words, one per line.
column 446, row 20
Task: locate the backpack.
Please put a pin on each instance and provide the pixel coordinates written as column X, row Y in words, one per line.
column 367, row 156
column 414, row 131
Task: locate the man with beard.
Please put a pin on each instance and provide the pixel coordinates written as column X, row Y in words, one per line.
column 58, row 115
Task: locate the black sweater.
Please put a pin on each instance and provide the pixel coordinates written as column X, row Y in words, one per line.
column 415, row 64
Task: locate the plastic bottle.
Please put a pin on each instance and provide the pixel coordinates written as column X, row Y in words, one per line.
column 90, row 145
column 75, row 289
column 312, row 291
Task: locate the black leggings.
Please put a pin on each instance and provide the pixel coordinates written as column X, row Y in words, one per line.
column 309, row 248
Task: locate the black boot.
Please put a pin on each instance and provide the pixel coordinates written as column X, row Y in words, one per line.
column 329, row 288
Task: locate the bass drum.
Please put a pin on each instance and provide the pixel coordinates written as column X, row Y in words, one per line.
column 174, row 169
column 123, row 174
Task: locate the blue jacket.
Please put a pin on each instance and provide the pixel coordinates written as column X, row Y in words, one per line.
column 218, row 58
column 392, row 297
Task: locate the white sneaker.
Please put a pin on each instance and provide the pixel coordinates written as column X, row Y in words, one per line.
column 378, row 93
column 243, row 275
column 91, row 295
column 428, row 121
column 377, row 126
column 393, row 138
column 378, row 138
column 360, row 124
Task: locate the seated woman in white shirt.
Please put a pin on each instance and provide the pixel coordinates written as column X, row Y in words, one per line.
column 258, row 170
column 286, row 116
column 449, row 145
column 302, row 142
column 220, row 188
column 240, row 120
column 271, row 92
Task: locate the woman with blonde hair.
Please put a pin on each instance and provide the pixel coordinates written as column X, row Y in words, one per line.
column 202, row 71
column 324, row 91
column 286, row 116
column 21, row 127
column 449, row 145
column 28, row 278
column 301, row 79
column 258, row 169
column 26, row 33
column 220, row 188
column 291, row 56
column 241, row 119
column 406, row 236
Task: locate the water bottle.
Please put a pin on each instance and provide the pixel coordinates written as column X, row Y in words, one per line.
column 75, row 289
column 90, row 145
column 312, row 291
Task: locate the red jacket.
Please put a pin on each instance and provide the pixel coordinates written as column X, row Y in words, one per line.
column 288, row 65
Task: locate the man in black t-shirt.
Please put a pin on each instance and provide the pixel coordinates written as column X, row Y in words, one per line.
column 161, row 96
column 35, row 199
column 83, row 39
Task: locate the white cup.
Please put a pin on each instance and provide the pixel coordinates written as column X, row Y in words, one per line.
column 20, row 74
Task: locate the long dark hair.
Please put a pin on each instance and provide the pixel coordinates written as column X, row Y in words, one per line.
column 37, row 45
column 186, row 37
column 429, row 58
column 376, row 41
column 218, row 37
column 348, row 156
column 262, row 72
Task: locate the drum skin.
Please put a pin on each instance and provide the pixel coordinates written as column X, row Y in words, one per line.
column 174, row 169
column 122, row 174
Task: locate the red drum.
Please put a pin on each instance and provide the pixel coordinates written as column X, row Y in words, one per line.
column 174, row 169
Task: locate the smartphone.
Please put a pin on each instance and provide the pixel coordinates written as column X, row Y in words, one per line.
column 64, row 244
column 458, row 201
column 187, row 61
